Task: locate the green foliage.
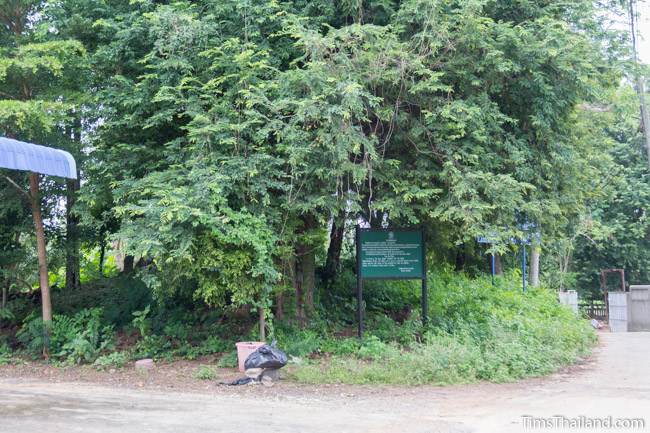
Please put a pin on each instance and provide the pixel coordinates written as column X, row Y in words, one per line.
column 153, row 346
column 340, row 346
column 6, row 314
column 179, row 337
column 6, row 354
column 212, row 344
column 43, row 87
column 618, row 234
column 481, row 332
column 72, row 339
column 225, row 150
column 141, row 322
column 118, row 297
column 229, row 360
column 112, row 360
column 300, row 343
column 219, row 151
column 205, row 373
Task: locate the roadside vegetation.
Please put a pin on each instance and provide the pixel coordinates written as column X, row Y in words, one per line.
column 478, row 331
column 228, row 148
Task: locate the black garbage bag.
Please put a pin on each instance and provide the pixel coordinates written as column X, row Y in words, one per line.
column 267, row 356
column 240, row 381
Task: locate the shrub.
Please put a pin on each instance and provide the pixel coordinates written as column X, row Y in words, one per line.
column 114, row 359
column 213, row 344
column 153, row 346
column 118, row 297
column 5, row 353
column 205, row 373
column 478, row 332
column 373, row 348
column 6, row 314
column 340, row 346
column 31, row 335
column 300, row 343
column 73, row 339
column 229, row 360
column 141, row 322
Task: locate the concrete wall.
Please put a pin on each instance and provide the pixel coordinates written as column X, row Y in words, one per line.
column 639, row 306
column 569, row 298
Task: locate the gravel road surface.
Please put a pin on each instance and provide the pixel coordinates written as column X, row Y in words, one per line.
column 616, row 383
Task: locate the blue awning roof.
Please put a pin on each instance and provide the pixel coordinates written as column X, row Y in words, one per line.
column 19, row 155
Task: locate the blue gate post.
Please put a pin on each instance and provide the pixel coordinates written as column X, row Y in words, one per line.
column 493, row 268
column 523, row 267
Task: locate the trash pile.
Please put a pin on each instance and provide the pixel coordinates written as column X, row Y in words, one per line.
column 262, row 366
column 596, row 324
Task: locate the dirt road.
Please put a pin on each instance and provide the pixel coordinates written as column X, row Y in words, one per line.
column 616, row 383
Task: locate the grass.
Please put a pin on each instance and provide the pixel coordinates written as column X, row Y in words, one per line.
column 5, row 354
column 112, row 360
column 480, row 332
column 205, row 373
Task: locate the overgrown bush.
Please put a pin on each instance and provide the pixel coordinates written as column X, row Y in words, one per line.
column 229, row 360
column 205, row 373
column 153, row 346
column 478, row 332
column 178, row 338
column 72, row 339
column 6, row 354
column 112, row 360
column 118, row 297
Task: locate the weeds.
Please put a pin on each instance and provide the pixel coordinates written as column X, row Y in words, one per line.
column 205, row 373
column 229, row 360
column 6, row 354
column 479, row 332
column 72, row 339
column 112, row 360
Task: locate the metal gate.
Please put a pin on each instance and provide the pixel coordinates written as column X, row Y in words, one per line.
column 618, row 311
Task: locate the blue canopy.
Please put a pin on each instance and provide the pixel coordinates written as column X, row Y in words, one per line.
column 19, row 155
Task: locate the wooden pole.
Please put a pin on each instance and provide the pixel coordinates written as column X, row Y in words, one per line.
column 639, row 81
column 262, row 314
column 534, row 266
column 46, row 301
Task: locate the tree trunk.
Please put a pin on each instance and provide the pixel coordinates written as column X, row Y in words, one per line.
column 645, row 117
column 72, row 268
column 298, row 284
column 279, row 307
column 309, row 277
column 128, row 264
column 333, row 261
column 102, row 253
column 305, row 271
column 498, row 269
column 460, row 258
column 640, row 79
column 534, row 266
column 46, row 301
column 5, row 293
column 262, row 324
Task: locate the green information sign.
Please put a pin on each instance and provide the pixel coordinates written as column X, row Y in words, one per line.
column 385, row 254
column 391, row 254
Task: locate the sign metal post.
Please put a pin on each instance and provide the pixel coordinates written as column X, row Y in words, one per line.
column 493, row 268
column 523, row 267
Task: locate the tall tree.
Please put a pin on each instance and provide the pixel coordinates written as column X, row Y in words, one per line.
column 40, row 80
